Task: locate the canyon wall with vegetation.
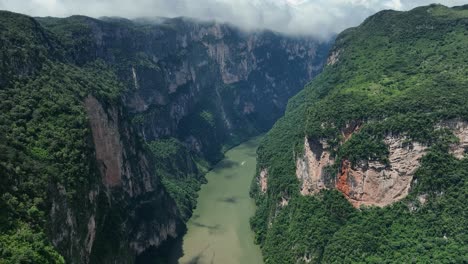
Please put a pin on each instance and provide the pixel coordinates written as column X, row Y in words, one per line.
column 368, row 165
column 108, row 125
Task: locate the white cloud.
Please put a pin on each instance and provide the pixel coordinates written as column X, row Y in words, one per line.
column 320, row 18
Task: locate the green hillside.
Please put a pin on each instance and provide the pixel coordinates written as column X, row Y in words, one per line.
column 107, row 126
column 399, row 73
column 42, row 127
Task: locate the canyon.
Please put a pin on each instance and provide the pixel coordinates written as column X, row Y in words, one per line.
column 156, row 104
column 108, row 127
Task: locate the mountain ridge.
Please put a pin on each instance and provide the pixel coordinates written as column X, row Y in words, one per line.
column 386, row 115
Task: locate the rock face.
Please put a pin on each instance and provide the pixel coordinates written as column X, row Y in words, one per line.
column 367, row 183
column 378, row 184
column 310, row 167
column 107, row 143
column 263, row 180
column 208, row 85
column 334, row 57
column 179, row 69
column 128, row 205
column 126, row 169
column 460, row 130
column 371, row 183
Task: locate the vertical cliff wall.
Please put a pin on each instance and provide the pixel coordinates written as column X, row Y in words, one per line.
column 366, row 183
column 115, row 121
column 208, row 84
column 371, row 155
column 125, row 209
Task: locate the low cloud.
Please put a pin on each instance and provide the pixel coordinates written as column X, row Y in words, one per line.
column 320, row 18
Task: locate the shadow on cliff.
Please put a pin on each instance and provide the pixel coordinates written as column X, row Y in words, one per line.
column 197, row 258
column 169, row 252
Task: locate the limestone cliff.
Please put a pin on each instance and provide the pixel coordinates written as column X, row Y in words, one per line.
column 263, row 180
column 365, row 183
column 99, row 114
column 124, row 212
column 371, row 155
column 310, row 168
column 379, row 184
column 208, row 84
column 371, row 183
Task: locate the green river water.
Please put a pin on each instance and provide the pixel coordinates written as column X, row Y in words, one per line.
column 219, row 230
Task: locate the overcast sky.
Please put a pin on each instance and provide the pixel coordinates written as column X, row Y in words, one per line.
column 320, row 18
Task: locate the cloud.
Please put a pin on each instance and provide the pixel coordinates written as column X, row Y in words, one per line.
column 319, row 18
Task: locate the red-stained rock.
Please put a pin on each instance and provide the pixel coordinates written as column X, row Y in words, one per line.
column 106, row 137
column 371, row 183
column 376, row 184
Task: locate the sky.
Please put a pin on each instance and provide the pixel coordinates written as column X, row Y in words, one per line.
column 319, row 18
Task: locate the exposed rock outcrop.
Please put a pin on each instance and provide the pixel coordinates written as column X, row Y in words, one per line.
column 208, row 85
column 460, row 130
column 284, row 201
column 371, row 183
column 105, row 130
column 126, row 202
column 178, row 68
column 350, row 128
column 334, row 57
column 263, row 180
column 366, row 183
column 375, row 183
column 310, row 167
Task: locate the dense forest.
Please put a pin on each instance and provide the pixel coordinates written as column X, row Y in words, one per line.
column 398, row 73
column 42, row 127
column 107, row 126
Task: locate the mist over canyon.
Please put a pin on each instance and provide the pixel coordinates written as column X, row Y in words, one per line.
column 109, row 125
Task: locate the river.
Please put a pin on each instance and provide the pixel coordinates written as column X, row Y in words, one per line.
column 219, row 230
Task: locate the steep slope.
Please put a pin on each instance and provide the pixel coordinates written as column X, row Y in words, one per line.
column 75, row 177
column 100, row 117
column 209, row 85
column 381, row 129
column 194, row 88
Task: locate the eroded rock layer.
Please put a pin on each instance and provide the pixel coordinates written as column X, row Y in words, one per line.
column 379, row 184
column 310, row 167
column 365, row 183
column 371, row 183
